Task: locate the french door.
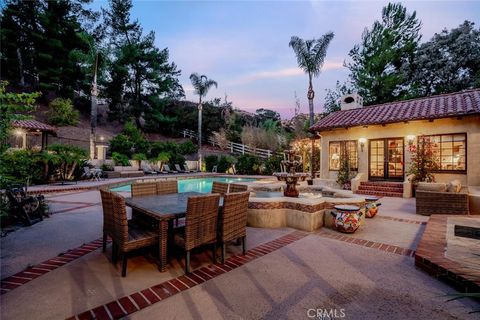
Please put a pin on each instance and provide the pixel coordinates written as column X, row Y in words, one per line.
column 386, row 159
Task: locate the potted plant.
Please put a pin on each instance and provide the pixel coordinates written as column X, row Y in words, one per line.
column 423, row 161
column 344, row 174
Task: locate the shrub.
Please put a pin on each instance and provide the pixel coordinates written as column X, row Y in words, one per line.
column 106, row 167
column 66, row 159
column 210, row 161
column 121, row 144
column 272, row 164
column 248, row 164
column 224, row 163
column 176, row 158
column 130, row 141
column 62, row 113
column 120, row 159
column 21, row 166
column 188, row 147
column 139, row 157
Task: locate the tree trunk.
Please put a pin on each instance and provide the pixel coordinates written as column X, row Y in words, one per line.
column 200, row 134
column 310, row 96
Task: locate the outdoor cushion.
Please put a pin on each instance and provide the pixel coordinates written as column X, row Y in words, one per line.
column 454, row 186
column 432, row 186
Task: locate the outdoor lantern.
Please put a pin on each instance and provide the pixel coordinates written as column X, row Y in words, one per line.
column 362, row 143
column 410, row 139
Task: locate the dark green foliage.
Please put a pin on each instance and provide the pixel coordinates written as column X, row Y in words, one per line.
column 62, row 113
column 66, row 160
column 141, row 77
column 176, row 158
column 449, row 62
column 262, row 115
column 225, row 163
column 332, row 98
column 381, row 65
column 13, row 106
column 20, row 166
column 248, row 164
column 188, row 147
column 272, row 164
column 40, row 42
column 344, row 175
column 130, row 141
column 120, row 159
column 121, row 144
column 210, row 161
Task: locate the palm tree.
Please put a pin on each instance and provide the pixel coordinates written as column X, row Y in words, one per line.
column 201, row 84
column 310, row 57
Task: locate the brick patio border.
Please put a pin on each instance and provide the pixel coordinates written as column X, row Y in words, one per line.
column 402, row 220
column 367, row 243
column 10, row 283
column 139, row 300
column 430, row 257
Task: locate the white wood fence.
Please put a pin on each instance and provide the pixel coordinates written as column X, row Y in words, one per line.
column 236, row 148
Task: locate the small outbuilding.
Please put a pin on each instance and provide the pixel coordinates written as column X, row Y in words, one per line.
column 26, row 134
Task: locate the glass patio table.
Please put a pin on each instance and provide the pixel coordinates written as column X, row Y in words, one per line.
column 165, row 209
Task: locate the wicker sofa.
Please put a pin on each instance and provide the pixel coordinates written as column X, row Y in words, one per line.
column 440, row 201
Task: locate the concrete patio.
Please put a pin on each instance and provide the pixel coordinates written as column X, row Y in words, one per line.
column 286, row 274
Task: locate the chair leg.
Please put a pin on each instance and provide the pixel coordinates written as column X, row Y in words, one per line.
column 124, row 264
column 223, row 252
column 187, row 261
column 104, row 247
column 243, row 245
column 214, row 253
column 114, row 253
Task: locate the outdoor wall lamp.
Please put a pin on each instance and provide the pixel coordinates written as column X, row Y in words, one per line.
column 362, row 143
column 410, row 139
column 18, row 132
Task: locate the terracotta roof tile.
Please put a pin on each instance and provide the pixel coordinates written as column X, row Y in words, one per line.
column 33, row 125
column 441, row 106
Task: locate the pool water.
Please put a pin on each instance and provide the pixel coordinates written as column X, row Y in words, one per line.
column 203, row 185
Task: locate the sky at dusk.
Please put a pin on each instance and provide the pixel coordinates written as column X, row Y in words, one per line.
column 243, row 45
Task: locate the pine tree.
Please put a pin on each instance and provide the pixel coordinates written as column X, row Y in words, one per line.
column 141, row 78
column 381, row 65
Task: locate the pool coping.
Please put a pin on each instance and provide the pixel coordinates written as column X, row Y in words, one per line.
column 49, row 189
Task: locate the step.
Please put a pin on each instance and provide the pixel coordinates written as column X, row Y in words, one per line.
column 380, row 193
column 381, row 184
column 378, row 188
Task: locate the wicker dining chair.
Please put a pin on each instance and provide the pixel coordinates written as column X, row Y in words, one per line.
column 237, row 188
column 219, row 187
column 107, row 206
column 200, row 225
column 128, row 237
column 167, row 187
column 144, row 189
column 232, row 224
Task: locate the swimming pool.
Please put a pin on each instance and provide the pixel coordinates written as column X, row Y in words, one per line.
column 203, row 185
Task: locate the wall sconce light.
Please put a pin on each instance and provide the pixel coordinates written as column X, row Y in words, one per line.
column 362, row 143
column 410, row 139
column 102, row 138
column 18, row 132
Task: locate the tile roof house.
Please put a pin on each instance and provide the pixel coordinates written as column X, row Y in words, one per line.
column 378, row 138
column 23, row 129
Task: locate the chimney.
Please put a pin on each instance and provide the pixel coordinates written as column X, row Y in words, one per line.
column 351, row 101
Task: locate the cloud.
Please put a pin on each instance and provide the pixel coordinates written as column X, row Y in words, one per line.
column 280, row 73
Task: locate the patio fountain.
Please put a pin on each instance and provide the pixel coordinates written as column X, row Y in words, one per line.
column 290, row 162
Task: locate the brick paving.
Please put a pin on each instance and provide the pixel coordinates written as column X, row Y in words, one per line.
column 13, row 282
column 430, row 257
column 136, row 301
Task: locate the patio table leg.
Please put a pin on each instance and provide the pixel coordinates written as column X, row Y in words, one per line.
column 163, row 230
